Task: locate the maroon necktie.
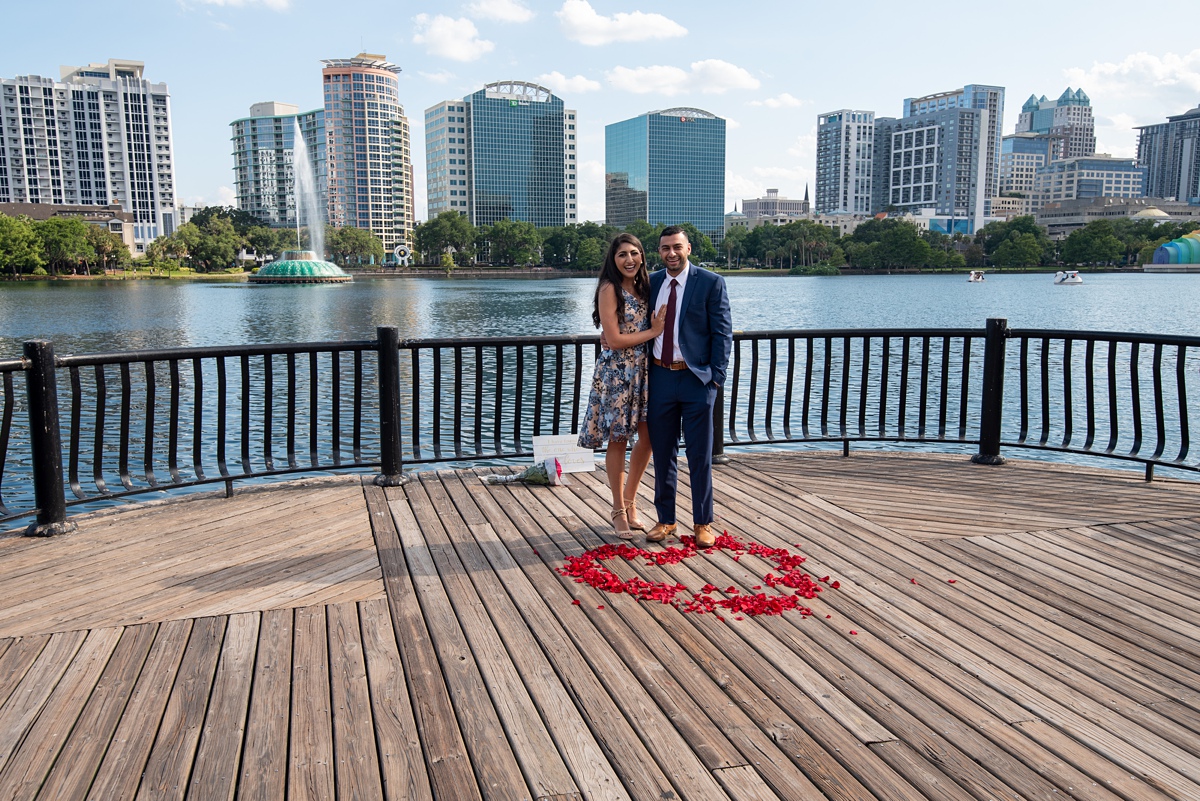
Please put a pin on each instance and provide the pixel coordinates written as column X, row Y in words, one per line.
column 668, row 348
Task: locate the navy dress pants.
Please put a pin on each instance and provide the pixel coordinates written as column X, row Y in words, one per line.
column 680, row 403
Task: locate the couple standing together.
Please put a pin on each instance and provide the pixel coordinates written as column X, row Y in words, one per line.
column 653, row 394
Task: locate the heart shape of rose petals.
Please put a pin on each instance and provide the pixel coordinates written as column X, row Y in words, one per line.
column 589, row 568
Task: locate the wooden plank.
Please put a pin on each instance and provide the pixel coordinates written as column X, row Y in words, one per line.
column 36, row 685
column 215, row 773
column 828, row 753
column 264, row 755
column 490, row 751
column 616, row 731
column 401, row 763
column 170, row 762
column 125, row 759
column 743, row 783
column 76, row 766
column 310, row 769
column 670, row 749
column 24, row 772
column 17, row 659
column 532, row 745
column 450, row 773
column 1043, row 695
column 356, row 762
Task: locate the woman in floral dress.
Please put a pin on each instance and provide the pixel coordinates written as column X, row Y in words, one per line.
column 616, row 410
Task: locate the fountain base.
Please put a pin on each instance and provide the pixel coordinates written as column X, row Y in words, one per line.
column 300, row 267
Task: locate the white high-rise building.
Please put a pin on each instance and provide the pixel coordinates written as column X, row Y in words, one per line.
column 973, row 96
column 844, row 161
column 99, row 135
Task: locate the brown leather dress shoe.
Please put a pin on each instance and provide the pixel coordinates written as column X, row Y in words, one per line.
column 660, row 532
column 704, row 536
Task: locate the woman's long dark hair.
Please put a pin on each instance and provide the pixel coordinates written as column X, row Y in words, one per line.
column 609, row 274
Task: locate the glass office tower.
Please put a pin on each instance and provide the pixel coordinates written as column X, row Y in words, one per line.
column 666, row 167
column 504, row 152
column 516, row 154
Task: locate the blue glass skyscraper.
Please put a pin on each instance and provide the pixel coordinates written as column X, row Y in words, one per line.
column 506, row 152
column 666, row 167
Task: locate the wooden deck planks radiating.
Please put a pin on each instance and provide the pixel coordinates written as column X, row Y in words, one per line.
column 1025, row 631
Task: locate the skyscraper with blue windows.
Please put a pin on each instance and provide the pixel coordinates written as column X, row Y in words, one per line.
column 666, row 167
column 505, row 152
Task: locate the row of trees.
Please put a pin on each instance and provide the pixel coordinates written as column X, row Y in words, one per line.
column 58, row 245
column 1022, row 243
column 450, row 239
column 215, row 235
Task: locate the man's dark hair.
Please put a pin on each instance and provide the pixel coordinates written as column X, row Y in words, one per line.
column 671, row 230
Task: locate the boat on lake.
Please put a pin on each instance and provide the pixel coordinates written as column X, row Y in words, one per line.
column 1068, row 277
column 976, row 277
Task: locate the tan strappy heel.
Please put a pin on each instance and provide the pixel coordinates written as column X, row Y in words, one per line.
column 625, row 533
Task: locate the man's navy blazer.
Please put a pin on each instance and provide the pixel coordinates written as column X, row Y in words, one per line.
column 705, row 325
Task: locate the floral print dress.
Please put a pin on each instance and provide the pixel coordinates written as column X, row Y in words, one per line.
column 620, row 384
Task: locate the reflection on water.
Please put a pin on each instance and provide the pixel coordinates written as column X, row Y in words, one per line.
column 102, row 316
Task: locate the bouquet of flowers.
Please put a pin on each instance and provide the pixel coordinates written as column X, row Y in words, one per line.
column 548, row 473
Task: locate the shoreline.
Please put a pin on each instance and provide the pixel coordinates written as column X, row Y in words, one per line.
column 552, row 273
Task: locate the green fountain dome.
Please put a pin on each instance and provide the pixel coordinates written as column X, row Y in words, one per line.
column 300, row 267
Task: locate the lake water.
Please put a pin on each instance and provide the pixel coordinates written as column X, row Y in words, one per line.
column 103, row 316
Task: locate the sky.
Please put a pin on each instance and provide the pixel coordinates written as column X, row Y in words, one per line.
column 768, row 68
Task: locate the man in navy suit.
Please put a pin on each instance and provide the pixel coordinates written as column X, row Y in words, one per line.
column 688, row 364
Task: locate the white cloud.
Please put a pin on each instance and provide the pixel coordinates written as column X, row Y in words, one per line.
column 274, row 5
column 1137, row 72
column 441, row 76
column 804, row 147
column 783, row 101
column 500, row 10
column 582, row 24
column 456, row 39
column 1116, row 136
column 711, row 76
column 561, row 85
column 226, row 196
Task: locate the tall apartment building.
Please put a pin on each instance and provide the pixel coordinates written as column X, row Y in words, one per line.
column 845, row 152
column 1170, row 152
column 933, row 160
column 264, row 157
column 99, row 135
column 368, row 157
column 1068, row 121
column 666, row 167
column 973, row 96
column 506, row 151
column 1089, row 177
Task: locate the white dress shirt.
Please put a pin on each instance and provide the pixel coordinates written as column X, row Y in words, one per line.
column 664, row 292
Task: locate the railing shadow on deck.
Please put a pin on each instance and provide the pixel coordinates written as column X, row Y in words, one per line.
column 115, row 425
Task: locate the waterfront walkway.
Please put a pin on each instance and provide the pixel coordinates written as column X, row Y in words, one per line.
column 1018, row 632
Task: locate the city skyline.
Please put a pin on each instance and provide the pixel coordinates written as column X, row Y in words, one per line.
column 768, row 74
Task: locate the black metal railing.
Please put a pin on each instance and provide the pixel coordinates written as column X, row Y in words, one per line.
column 108, row 426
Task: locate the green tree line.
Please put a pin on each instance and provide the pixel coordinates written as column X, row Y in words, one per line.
column 212, row 239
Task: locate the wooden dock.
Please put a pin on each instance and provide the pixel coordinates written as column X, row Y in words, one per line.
column 1027, row 631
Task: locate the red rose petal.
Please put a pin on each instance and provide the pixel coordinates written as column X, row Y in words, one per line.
column 952, row 581
column 575, row 602
column 852, row 631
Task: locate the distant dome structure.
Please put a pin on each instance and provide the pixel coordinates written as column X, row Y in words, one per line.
column 1152, row 213
column 1184, row 250
column 300, row 267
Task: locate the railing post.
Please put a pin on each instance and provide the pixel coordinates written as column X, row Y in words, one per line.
column 991, row 409
column 391, row 459
column 45, row 440
column 718, row 445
